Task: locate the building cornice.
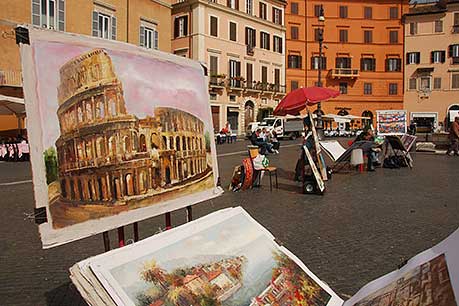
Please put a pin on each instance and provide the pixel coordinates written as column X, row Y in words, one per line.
column 163, row 3
column 225, row 9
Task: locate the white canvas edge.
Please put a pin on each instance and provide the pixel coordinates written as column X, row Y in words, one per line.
column 335, row 300
column 390, row 111
column 54, row 237
column 449, row 247
column 331, row 147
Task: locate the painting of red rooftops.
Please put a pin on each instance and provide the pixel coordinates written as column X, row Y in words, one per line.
column 234, row 262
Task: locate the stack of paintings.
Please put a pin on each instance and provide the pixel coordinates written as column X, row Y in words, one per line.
column 227, row 259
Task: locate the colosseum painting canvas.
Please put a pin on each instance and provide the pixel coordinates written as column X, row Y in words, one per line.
column 118, row 133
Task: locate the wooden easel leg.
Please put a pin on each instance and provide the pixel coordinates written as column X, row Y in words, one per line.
column 106, row 241
column 189, row 214
column 136, row 231
column 121, row 237
column 168, row 221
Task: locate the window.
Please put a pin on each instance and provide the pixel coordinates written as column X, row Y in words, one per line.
column 393, row 64
column 264, row 76
column 424, row 83
column 343, row 36
column 412, row 84
column 393, row 88
column 103, row 25
column 148, row 37
column 393, row 37
column 263, row 11
column 235, row 73
column 455, row 81
column 294, row 8
column 413, row 28
column 438, row 26
column 293, row 85
column 248, row 6
column 233, row 31
column 437, row 57
column 294, row 61
column 49, row 14
column 456, row 23
column 277, row 77
column 232, row 98
column 368, row 36
column 368, row 12
column 249, row 74
column 453, row 52
column 277, row 16
column 317, row 8
column 264, row 40
column 181, row 26
column 277, row 42
column 213, row 26
column 367, row 88
column 343, row 88
column 343, row 11
column 234, row 4
column 250, row 39
column 315, row 62
column 213, row 69
column 437, row 83
column 413, row 58
column 343, row 62
column 367, row 64
column 294, row 32
column 213, row 96
column 393, row 12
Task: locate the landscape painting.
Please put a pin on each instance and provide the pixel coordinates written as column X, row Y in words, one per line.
column 427, row 284
column 230, row 263
column 120, row 129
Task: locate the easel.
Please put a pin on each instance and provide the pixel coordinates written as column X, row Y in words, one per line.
column 135, row 226
column 320, row 160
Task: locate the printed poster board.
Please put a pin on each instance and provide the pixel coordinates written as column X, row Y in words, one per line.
column 117, row 133
column 314, row 169
column 391, row 122
column 225, row 258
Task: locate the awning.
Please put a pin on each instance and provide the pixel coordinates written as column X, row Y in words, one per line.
column 424, row 69
column 11, row 106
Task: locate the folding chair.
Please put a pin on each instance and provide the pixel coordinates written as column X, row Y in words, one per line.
column 339, row 155
column 253, row 153
column 394, row 146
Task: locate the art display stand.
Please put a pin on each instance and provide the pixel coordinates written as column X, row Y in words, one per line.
column 320, row 160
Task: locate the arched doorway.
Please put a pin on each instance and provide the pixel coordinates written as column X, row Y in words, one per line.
column 249, row 112
column 453, row 111
column 168, row 175
column 367, row 122
column 143, row 143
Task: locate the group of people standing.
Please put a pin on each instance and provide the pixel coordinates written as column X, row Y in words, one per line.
column 266, row 140
column 14, row 149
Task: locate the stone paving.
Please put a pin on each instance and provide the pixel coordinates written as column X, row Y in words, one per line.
column 362, row 228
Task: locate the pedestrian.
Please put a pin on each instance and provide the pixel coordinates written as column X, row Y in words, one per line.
column 454, row 138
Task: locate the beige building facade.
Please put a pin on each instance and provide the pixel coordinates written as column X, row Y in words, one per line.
column 431, row 94
column 242, row 43
column 141, row 22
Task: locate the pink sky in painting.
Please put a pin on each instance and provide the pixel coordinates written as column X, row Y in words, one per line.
column 147, row 82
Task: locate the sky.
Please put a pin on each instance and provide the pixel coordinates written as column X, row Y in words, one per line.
column 147, row 82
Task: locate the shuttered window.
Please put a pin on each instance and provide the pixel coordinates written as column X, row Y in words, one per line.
column 277, row 16
column 264, row 40
column 263, row 11
column 293, row 85
column 393, row 37
column 343, row 11
column 393, row 64
column 368, row 12
column 148, row 37
column 233, row 31
column 49, row 14
column 393, row 89
column 249, row 74
column 277, row 44
column 294, row 32
column 368, row 36
column 250, row 37
column 213, row 26
column 294, row 61
column 294, row 8
column 413, row 58
column 393, row 12
column 181, row 26
column 437, row 57
column 343, row 36
column 368, row 64
column 103, row 25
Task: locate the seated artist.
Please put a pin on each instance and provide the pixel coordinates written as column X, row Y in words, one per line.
column 371, row 150
column 256, row 140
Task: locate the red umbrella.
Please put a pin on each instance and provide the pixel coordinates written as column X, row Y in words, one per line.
column 298, row 99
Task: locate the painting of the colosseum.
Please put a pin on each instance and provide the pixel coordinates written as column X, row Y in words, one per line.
column 109, row 160
column 120, row 133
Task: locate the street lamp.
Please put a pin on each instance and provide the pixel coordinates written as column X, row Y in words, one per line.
column 319, row 83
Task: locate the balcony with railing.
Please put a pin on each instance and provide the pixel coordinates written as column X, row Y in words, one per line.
column 11, row 78
column 344, row 73
column 217, row 81
column 235, row 83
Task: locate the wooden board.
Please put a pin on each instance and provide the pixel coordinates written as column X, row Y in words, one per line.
column 320, row 159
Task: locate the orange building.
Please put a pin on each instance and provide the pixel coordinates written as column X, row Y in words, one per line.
column 362, row 53
column 141, row 22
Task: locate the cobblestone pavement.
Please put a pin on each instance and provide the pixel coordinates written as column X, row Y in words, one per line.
column 362, row 228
